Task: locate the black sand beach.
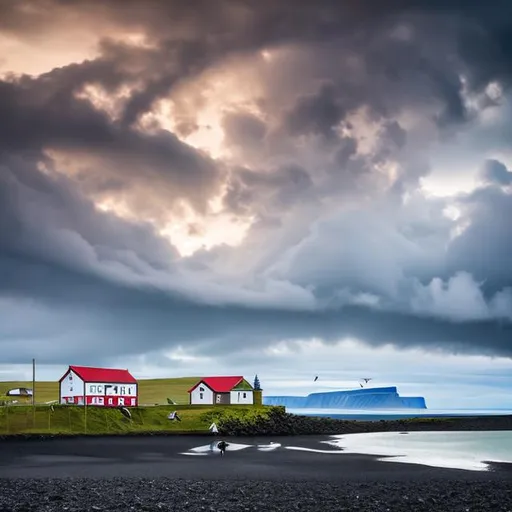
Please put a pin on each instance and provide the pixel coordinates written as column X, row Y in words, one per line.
column 153, row 474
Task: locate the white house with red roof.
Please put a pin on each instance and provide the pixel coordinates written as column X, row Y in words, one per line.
column 106, row 387
column 222, row 391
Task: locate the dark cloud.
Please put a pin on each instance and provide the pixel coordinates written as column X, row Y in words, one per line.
column 347, row 148
column 102, row 318
column 243, row 130
column 342, row 243
column 276, row 189
column 43, row 113
column 496, row 172
column 45, row 217
column 316, row 114
column 485, row 244
column 54, row 254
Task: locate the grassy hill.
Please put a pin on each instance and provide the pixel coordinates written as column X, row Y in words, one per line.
column 68, row 419
column 151, row 391
column 150, row 416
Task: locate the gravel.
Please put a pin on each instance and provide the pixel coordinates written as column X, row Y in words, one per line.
column 77, row 495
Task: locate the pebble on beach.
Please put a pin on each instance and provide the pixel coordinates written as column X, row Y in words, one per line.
column 80, row 495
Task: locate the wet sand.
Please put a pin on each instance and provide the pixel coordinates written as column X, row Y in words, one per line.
column 163, row 457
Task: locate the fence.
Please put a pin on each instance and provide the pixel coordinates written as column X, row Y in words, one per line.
column 69, row 419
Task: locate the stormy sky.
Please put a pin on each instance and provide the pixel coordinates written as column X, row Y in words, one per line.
column 283, row 187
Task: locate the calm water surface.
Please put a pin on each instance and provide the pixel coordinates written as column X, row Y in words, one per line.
column 459, row 450
column 377, row 415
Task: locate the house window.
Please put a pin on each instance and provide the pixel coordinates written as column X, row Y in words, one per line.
column 200, row 396
column 201, row 388
column 245, row 395
column 92, row 390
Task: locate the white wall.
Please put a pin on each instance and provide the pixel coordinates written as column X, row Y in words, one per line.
column 201, row 395
column 71, row 387
column 109, row 389
column 237, row 397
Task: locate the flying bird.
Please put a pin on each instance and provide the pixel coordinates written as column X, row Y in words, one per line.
column 366, row 380
column 316, row 378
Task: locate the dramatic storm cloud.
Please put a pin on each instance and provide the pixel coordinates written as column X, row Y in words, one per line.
column 191, row 184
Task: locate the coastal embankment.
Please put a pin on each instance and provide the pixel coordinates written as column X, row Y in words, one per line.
column 63, row 420
column 276, row 421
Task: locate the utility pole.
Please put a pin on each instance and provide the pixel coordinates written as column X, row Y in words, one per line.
column 33, row 382
column 33, row 393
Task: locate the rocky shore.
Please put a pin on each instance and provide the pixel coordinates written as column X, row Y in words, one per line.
column 89, row 495
column 279, row 422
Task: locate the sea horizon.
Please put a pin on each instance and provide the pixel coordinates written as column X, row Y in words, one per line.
column 394, row 414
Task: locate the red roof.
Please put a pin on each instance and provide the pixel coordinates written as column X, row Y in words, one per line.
column 219, row 384
column 116, row 376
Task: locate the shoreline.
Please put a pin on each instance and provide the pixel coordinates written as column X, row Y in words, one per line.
column 283, row 424
column 295, row 458
column 153, row 474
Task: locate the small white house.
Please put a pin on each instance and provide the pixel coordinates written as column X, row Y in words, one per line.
column 98, row 386
column 222, row 391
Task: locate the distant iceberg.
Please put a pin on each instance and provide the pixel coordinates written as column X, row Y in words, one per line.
column 367, row 398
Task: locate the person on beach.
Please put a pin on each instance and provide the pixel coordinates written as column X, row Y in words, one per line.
column 222, row 447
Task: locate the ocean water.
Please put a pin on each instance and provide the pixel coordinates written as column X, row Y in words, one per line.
column 457, row 450
column 473, row 451
column 377, row 415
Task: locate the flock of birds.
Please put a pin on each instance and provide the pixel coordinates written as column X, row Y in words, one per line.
column 365, row 379
column 125, row 411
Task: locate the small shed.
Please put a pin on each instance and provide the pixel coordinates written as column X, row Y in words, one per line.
column 107, row 387
column 222, row 391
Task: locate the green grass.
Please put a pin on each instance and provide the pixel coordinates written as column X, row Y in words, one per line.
column 150, row 416
column 45, row 391
column 151, row 391
column 156, row 391
column 66, row 419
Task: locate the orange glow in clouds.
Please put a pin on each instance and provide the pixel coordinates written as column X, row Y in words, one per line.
column 189, row 232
